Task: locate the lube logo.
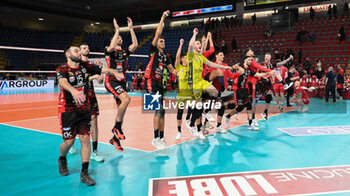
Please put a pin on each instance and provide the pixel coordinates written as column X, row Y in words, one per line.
column 303, row 181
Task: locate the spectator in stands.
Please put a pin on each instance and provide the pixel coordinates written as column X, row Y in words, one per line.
column 312, row 13
column 346, row 9
column 319, row 72
column 307, row 65
column 335, row 10
column 223, row 46
column 129, row 85
column 300, row 54
column 330, row 85
column 312, row 37
column 254, row 18
column 234, row 44
column 277, row 54
column 330, row 11
column 302, row 36
column 301, row 73
column 6, row 76
column 30, row 77
column 341, row 34
column 139, row 79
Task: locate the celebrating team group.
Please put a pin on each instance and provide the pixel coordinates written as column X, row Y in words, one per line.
column 199, row 80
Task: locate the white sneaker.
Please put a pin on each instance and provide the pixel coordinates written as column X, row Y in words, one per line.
column 95, row 156
column 193, row 131
column 155, row 143
column 178, row 136
column 252, row 127
column 73, row 150
column 200, row 135
column 162, row 143
column 304, row 109
column 227, row 121
column 208, row 116
column 226, row 93
column 220, row 129
column 208, row 125
column 188, row 122
column 255, row 123
column 205, row 131
column 264, row 116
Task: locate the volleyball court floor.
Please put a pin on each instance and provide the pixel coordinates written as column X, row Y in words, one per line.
column 30, row 140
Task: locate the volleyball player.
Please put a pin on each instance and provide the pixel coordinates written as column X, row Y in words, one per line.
column 74, row 108
column 117, row 59
column 244, row 93
column 300, row 97
column 154, row 80
column 197, row 84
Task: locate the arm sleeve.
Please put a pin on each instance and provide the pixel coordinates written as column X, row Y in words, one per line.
column 60, row 73
column 152, row 49
column 260, row 67
column 106, row 52
column 252, row 73
column 209, row 52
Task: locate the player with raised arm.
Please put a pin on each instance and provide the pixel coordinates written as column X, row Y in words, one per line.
column 117, row 59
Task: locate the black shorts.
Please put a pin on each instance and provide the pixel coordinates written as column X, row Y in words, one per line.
column 94, row 106
column 207, row 76
column 116, row 88
column 242, row 96
column 153, row 86
column 266, row 85
column 253, row 89
column 74, row 123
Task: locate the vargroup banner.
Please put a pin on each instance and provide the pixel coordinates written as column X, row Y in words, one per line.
column 26, row 84
column 303, row 181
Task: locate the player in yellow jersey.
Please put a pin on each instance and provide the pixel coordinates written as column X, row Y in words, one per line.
column 184, row 93
column 198, row 85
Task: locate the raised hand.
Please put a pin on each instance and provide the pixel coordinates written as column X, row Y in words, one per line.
column 195, row 31
column 129, row 22
column 116, row 26
column 166, row 13
column 182, row 41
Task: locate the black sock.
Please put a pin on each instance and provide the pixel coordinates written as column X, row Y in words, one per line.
column 94, row 146
column 253, row 115
column 179, row 129
column 222, row 82
column 206, row 120
column 228, row 116
column 63, row 158
column 250, row 122
column 156, row 133
column 218, row 125
column 161, row 134
column 199, row 127
column 84, row 167
column 118, row 125
column 265, row 111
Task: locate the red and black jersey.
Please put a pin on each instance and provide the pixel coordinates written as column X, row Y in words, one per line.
column 77, row 78
column 118, row 60
column 156, row 65
column 243, row 78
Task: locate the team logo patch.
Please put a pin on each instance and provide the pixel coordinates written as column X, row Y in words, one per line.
column 151, row 101
column 71, row 79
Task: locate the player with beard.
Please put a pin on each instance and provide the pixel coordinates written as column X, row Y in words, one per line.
column 117, row 59
column 74, row 108
column 85, row 51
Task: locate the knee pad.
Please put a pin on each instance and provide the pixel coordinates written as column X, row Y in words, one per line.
column 221, row 111
column 268, row 98
column 179, row 114
column 249, row 106
column 231, row 106
column 254, row 102
column 239, row 108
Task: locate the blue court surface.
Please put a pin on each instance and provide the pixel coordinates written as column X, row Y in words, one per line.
column 28, row 158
